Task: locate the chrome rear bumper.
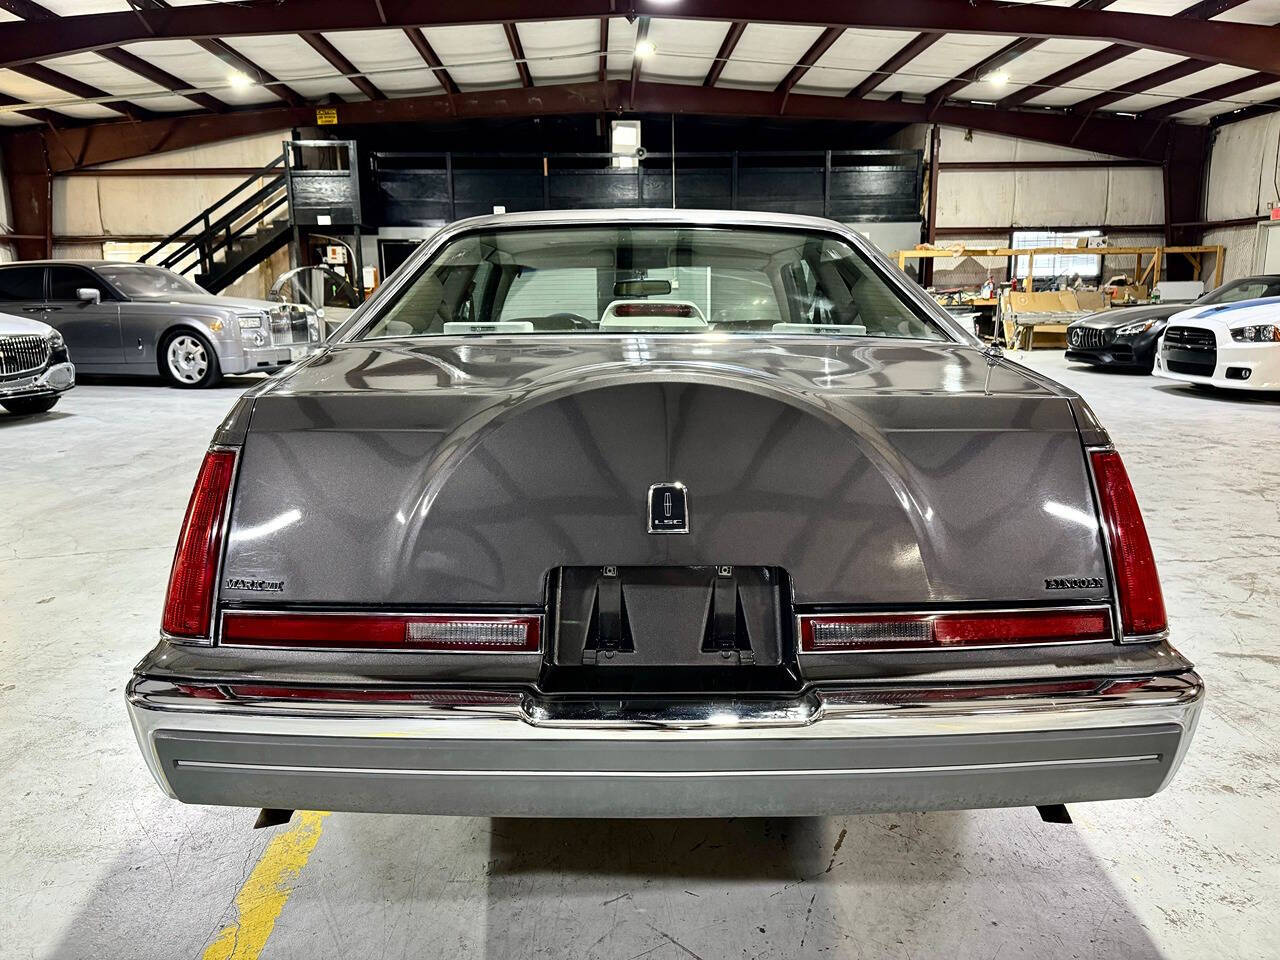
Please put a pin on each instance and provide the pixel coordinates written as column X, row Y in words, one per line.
column 831, row 751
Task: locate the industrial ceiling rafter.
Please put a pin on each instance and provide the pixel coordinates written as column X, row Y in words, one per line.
column 1240, row 44
column 30, row 10
column 602, row 73
column 429, row 57
column 517, row 52
column 727, row 46
column 642, row 36
column 105, row 142
column 77, row 88
column 344, row 66
column 913, row 49
column 820, row 46
column 1001, row 58
column 1204, row 10
column 146, row 13
column 1224, row 91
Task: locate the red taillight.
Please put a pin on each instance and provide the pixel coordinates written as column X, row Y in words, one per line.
column 870, row 633
column 656, row 309
column 446, row 632
column 188, row 604
column 1141, row 602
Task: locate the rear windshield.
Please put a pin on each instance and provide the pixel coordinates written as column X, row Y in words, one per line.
column 628, row 279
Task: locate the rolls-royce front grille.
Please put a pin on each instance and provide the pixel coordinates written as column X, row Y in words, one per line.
column 289, row 326
column 22, row 354
column 1191, row 350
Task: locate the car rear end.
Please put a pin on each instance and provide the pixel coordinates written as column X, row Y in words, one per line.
column 662, row 574
column 676, row 687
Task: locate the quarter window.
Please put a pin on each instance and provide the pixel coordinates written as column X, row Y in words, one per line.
column 21, row 283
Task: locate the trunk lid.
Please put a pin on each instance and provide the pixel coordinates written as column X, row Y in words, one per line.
column 464, row 471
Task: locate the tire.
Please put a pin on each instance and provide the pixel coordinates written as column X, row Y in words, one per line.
column 187, row 360
column 27, row 406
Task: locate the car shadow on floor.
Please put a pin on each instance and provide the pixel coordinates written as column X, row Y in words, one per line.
column 911, row 884
column 8, row 419
column 1203, row 392
column 956, row 884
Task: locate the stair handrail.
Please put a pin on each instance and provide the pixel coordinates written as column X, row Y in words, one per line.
column 210, row 239
column 203, row 216
column 231, row 233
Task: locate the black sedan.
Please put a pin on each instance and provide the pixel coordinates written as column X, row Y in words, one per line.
column 1128, row 337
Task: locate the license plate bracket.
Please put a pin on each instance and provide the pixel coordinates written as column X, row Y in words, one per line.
column 713, row 616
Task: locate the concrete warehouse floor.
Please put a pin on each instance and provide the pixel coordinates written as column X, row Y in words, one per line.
column 96, row 862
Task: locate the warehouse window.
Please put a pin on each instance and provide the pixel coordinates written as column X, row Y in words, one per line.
column 1089, row 267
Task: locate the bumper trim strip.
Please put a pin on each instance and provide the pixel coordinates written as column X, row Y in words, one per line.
column 663, row 774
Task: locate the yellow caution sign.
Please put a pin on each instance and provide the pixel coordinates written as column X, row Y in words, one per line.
column 326, row 116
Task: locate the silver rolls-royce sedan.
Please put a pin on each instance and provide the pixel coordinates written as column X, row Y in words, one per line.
column 130, row 318
column 660, row 513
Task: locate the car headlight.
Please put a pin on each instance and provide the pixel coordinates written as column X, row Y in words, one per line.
column 1258, row 333
column 250, row 321
column 1133, row 329
column 58, row 349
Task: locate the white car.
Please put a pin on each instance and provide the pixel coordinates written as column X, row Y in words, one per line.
column 35, row 367
column 1232, row 345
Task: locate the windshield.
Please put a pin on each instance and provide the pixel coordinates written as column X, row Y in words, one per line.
column 146, row 281
column 1248, row 289
column 620, row 279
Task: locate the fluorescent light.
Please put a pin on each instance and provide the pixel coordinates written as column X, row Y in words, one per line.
column 239, row 80
column 645, row 48
column 997, row 78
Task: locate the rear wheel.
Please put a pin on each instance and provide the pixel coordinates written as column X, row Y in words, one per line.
column 26, row 406
column 187, row 360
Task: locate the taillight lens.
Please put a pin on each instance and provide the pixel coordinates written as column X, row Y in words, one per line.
column 872, row 633
column 1141, row 601
column 188, row 605
column 461, row 633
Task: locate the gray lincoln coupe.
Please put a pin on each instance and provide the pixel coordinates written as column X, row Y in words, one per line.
column 129, row 318
column 660, row 513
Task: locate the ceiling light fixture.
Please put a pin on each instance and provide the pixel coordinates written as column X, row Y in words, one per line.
column 997, row 79
column 239, row 80
column 645, row 48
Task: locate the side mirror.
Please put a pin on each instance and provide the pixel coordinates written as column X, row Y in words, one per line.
column 89, row 295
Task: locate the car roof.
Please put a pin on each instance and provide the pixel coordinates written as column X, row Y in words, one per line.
column 78, row 262
column 660, row 216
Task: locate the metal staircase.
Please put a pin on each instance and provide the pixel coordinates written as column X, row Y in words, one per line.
column 233, row 234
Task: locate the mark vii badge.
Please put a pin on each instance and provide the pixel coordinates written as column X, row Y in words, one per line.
column 668, row 508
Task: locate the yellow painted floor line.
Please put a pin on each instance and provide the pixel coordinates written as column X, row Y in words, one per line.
column 267, row 889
